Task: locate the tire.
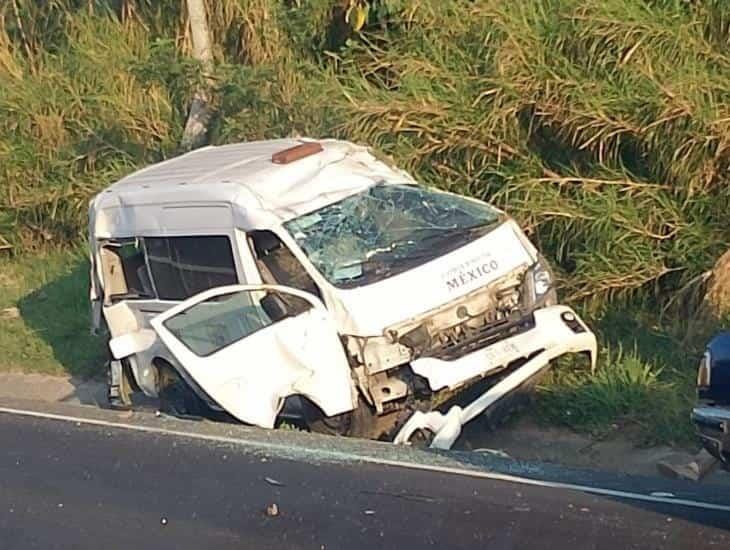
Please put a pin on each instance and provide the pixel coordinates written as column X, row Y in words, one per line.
column 317, row 422
column 361, row 422
column 176, row 397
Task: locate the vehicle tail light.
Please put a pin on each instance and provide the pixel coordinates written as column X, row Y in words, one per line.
column 704, row 372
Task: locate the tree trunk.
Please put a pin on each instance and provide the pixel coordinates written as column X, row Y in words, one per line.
column 23, row 36
column 201, row 109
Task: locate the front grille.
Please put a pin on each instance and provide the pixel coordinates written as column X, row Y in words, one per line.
column 481, row 338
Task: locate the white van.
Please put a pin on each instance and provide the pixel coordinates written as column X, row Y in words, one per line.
column 309, row 278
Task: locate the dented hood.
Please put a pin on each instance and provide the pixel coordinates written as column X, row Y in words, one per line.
column 369, row 310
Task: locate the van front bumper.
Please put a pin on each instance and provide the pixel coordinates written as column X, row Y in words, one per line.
column 713, row 427
column 558, row 330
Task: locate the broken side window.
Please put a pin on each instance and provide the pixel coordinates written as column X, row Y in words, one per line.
column 278, row 265
column 125, row 271
column 184, row 266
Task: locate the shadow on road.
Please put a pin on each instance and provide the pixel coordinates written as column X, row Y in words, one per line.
column 40, row 387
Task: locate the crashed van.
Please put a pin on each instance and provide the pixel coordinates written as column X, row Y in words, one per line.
column 310, row 279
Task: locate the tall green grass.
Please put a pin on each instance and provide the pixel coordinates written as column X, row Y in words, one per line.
column 629, row 394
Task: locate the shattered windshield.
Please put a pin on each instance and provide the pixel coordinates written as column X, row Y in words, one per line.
column 387, row 229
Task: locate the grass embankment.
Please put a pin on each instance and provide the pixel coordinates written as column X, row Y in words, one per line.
column 602, row 125
column 45, row 327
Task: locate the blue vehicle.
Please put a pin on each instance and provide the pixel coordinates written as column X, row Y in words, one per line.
column 712, row 413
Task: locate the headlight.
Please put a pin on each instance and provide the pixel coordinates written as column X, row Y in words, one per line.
column 542, row 281
column 541, row 284
column 704, row 372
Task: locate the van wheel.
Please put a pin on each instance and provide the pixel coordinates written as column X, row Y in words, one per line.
column 176, row 397
column 333, row 425
column 317, row 422
column 361, row 422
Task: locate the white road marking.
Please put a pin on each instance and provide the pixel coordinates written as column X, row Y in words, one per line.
column 375, row 460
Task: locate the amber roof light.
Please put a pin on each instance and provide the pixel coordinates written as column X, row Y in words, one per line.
column 297, row 152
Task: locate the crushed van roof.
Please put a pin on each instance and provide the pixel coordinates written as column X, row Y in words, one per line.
column 262, row 193
column 238, row 162
column 243, row 174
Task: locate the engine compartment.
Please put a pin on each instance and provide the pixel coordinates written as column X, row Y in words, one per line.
column 474, row 321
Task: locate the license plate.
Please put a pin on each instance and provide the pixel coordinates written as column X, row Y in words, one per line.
column 500, row 353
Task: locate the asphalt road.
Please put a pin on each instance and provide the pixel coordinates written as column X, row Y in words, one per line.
column 72, row 485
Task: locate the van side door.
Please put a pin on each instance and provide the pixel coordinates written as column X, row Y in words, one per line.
column 251, row 346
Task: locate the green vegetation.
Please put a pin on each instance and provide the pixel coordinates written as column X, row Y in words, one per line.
column 51, row 333
column 627, row 393
column 602, row 125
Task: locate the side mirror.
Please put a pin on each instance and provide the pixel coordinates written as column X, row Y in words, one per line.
column 279, row 307
column 274, row 306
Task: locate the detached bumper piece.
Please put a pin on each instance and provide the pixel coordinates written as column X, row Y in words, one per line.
column 558, row 330
column 713, row 427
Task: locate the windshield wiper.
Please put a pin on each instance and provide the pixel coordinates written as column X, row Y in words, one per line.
column 386, row 265
column 387, row 261
column 468, row 230
column 454, row 232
